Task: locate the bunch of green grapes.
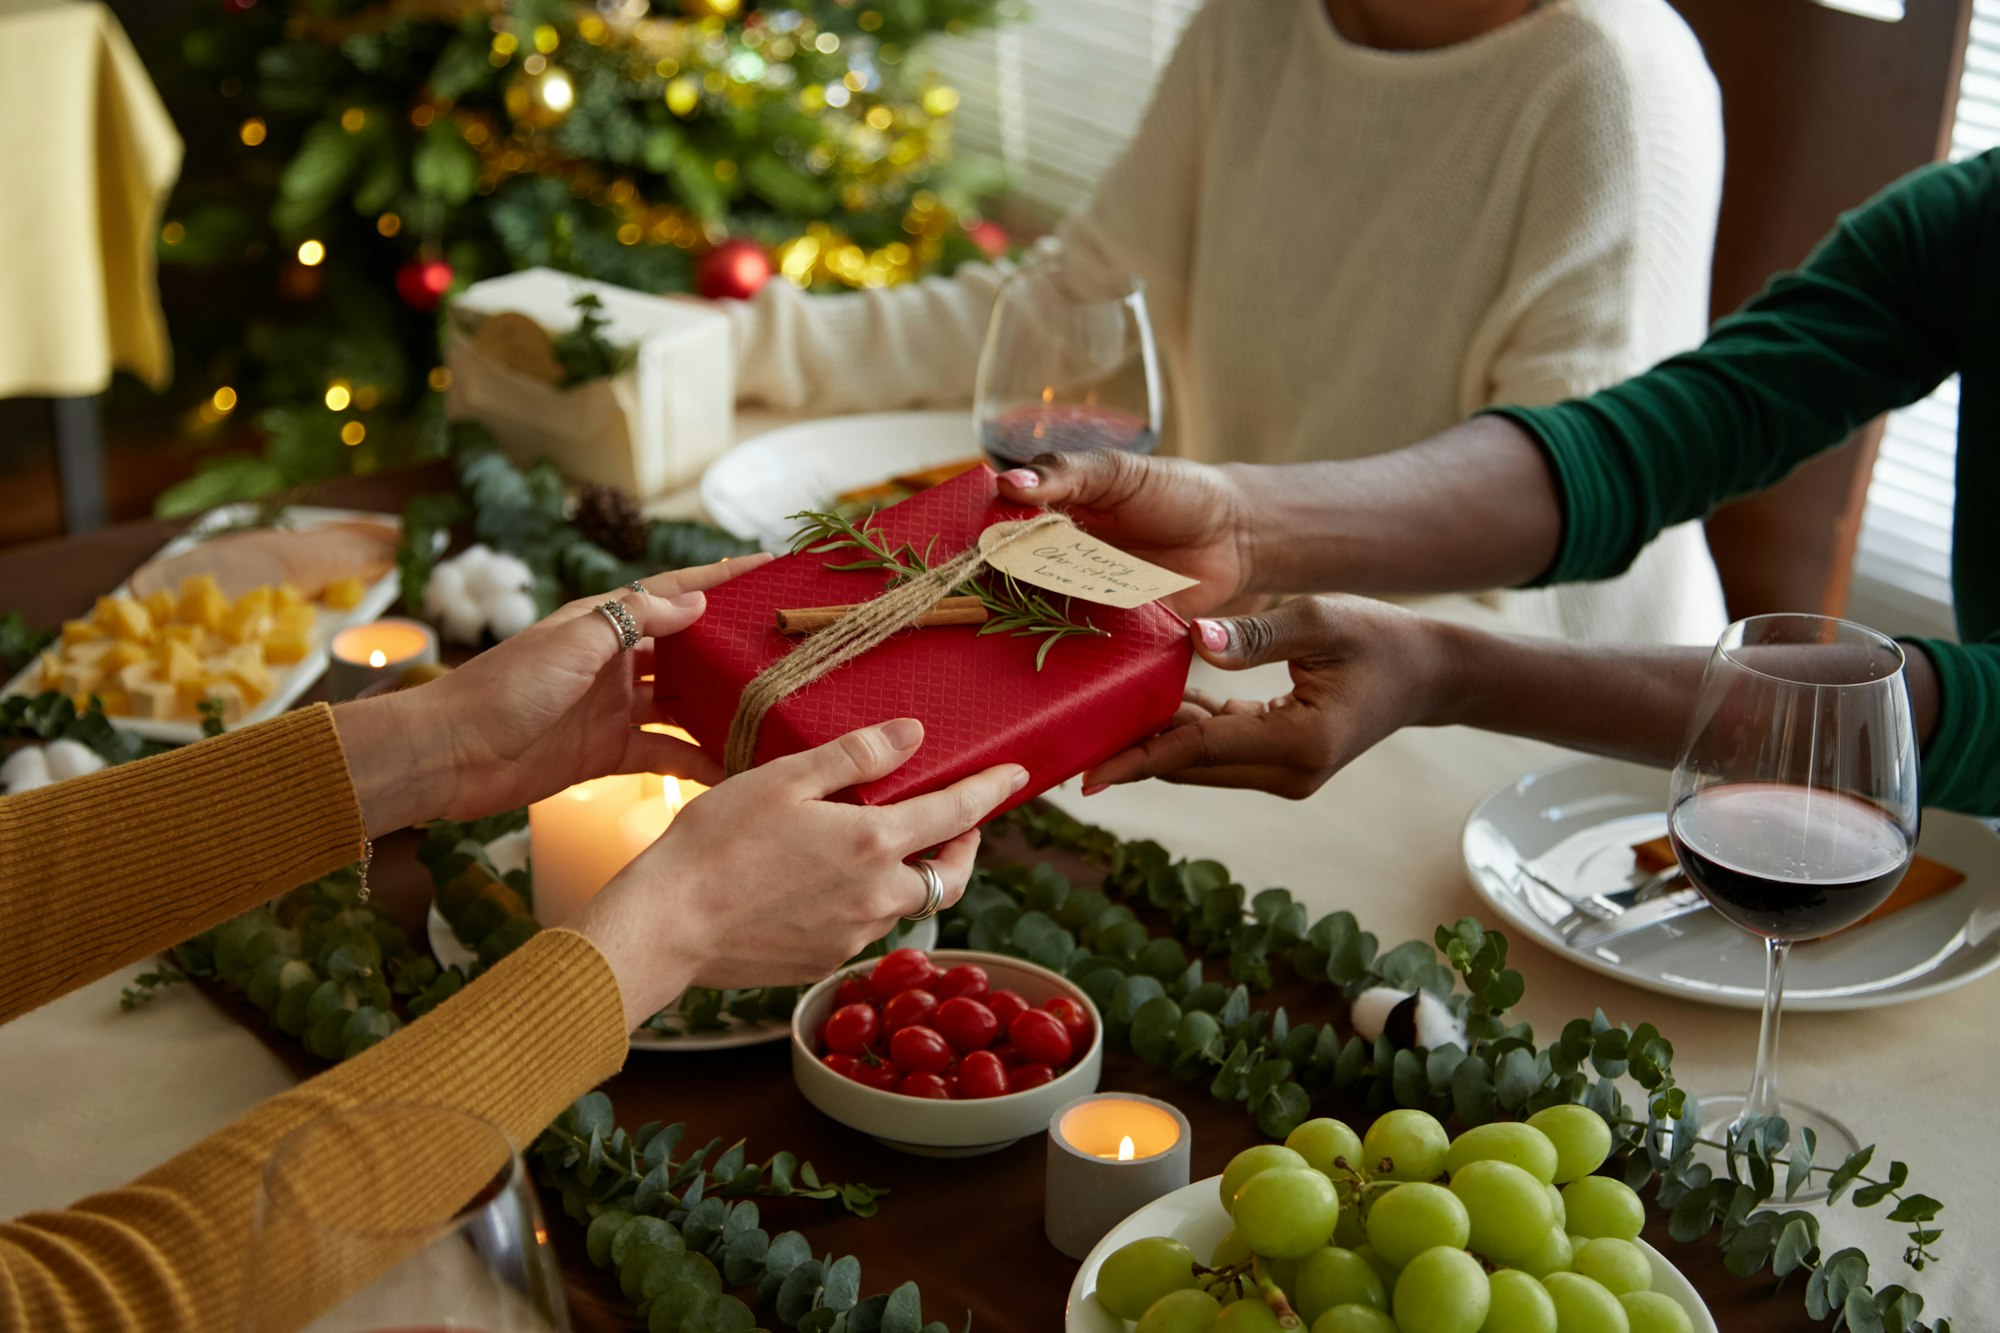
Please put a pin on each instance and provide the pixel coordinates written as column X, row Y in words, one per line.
column 1406, row 1230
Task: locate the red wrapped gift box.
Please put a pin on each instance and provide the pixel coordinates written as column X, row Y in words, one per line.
column 981, row 700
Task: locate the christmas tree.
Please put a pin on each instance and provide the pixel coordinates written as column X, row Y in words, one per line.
column 352, row 164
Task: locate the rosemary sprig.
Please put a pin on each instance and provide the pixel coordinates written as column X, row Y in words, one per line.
column 1013, row 609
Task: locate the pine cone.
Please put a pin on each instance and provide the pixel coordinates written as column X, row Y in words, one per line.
column 611, row 518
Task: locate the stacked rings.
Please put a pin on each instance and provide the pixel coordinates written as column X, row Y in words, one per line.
column 622, row 622
column 933, row 891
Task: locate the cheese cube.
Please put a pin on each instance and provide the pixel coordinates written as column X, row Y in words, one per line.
column 285, row 645
column 156, row 699
column 247, row 670
column 88, row 654
column 259, row 600
column 115, row 703
column 160, row 604
column 229, row 696
column 51, row 670
column 125, row 653
column 124, row 617
column 176, row 661
column 298, row 619
column 344, row 595
column 246, row 622
column 78, row 679
column 80, row 631
column 188, row 634
column 202, row 603
column 286, row 596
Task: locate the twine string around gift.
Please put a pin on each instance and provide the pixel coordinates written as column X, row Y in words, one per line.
column 867, row 625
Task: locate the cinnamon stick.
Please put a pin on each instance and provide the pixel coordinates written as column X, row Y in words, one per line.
column 950, row 611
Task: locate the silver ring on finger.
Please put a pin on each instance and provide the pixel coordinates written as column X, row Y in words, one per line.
column 933, row 890
column 622, row 623
column 637, row 587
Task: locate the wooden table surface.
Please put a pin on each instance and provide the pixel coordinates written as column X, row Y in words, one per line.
column 970, row 1231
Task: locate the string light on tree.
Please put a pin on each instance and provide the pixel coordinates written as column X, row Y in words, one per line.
column 311, row 253
column 338, row 395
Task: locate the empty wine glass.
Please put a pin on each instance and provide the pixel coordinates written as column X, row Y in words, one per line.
column 399, row 1219
column 1794, row 810
column 1069, row 364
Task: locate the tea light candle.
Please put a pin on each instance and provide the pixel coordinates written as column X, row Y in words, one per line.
column 580, row 838
column 1110, row 1155
column 361, row 655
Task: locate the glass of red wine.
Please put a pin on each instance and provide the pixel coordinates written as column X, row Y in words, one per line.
column 400, row 1219
column 1794, row 811
column 1069, row 364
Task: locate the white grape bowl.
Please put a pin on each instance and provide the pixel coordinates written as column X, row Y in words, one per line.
column 946, row 1129
column 1193, row 1215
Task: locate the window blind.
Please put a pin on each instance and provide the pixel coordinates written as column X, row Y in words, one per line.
column 1056, row 95
column 1902, row 563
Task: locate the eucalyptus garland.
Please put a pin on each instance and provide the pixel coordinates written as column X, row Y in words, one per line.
column 1157, row 1003
column 520, row 511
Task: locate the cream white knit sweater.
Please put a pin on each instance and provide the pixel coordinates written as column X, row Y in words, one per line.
column 1347, row 250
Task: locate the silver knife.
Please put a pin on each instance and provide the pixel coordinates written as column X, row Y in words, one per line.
column 1666, row 907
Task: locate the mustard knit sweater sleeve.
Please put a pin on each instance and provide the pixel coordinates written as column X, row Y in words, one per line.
column 100, row 871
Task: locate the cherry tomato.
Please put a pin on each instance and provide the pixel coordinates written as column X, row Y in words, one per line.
column 982, row 1075
column 1072, row 1016
column 902, row 970
column 952, row 1088
column 924, row 1085
column 1040, row 1037
column 967, row 1024
column 840, row 1064
column 967, row 979
column 920, row 1050
column 1006, row 1006
column 852, row 1028
column 853, row 990
column 907, row 1007
column 877, row 1074
column 1024, row 1077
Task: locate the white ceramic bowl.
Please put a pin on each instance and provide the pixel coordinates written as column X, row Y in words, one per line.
column 1193, row 1215
column 947, row 1129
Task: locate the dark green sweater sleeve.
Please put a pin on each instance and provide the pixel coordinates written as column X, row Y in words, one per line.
column 1874, row 320
column 1871, row 322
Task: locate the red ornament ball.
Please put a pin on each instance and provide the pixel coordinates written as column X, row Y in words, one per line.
column 422, row 283
column 990, row 237
column 736, row 270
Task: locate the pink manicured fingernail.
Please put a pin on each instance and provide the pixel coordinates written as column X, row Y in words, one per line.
column 905, row 733
column 1095, row 788
column 1018, row 781
column 1213, row 636
column 1022, row 478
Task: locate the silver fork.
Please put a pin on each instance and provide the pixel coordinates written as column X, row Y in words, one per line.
column 1647, row 889
column 1579, row 912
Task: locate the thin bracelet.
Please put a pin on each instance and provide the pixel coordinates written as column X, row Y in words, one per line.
column 367, row 859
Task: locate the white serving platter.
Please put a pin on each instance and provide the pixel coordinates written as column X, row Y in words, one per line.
column 1574, row 824
column 288, row 683
column 755, row 488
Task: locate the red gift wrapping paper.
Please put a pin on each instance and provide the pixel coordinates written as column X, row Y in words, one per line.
column 980, row 698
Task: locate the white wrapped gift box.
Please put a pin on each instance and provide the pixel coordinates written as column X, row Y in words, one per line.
column 649, row 428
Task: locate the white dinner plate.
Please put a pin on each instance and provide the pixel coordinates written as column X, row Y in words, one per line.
column 510, row 852
column 1574, row 825
column 755, row 488
column 287, row 682
column 1193, row 1216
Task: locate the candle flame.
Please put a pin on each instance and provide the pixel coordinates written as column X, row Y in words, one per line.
column 1125, row 1149
column 378, row 658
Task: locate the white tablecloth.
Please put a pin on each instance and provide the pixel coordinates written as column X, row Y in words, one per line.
column 90, row 1096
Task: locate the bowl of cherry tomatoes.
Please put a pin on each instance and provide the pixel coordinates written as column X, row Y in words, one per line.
column 947, row 1054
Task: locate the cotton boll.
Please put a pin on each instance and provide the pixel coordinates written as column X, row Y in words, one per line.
column 24, row 770
column 1369, row 1011
column 446, row 586
column 462, row 620
column 70, row 759
column 497, row 576
column 509, row 614
column 1436, row 1024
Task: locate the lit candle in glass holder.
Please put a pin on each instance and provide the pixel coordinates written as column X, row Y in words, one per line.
column 1110, row 1155
column 580, row 838
column 361, row 655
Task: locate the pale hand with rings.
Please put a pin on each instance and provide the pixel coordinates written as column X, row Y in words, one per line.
column 760, row 881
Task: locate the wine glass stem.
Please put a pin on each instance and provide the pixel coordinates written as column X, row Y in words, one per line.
column 1763, row 1098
